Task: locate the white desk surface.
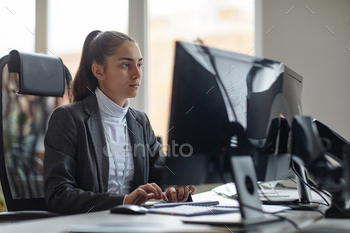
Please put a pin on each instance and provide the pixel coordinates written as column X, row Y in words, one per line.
column 155, row 222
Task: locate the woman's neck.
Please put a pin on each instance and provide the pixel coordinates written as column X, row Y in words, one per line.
column 110, row 108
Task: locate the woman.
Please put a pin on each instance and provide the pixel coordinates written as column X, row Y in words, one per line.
column 99, row 152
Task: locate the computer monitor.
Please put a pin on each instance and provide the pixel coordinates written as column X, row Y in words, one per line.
column 226, row 104
column 326, row 155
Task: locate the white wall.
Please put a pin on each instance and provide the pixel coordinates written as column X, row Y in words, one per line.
column 301, row 39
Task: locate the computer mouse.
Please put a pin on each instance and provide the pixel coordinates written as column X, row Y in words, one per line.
column 129, row 209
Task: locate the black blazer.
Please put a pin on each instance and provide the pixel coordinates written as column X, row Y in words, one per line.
column 75, row 167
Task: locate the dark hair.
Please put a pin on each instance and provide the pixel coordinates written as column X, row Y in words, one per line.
column 98, row 46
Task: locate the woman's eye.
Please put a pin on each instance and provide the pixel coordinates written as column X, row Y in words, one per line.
column 139, row 65
column 125, row 65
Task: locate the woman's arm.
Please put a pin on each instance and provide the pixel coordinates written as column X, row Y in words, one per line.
column 62, row 192
column 157, row 169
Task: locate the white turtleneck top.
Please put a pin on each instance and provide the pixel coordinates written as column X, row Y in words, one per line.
column 117, row 139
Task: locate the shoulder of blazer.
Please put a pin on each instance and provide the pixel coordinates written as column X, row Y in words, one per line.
column 139, row 116
column 78, row 109
column 72, row 107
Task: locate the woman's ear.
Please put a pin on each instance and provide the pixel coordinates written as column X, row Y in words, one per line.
column 98, row 71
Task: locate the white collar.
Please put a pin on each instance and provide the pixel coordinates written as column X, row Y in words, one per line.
column 108, row 107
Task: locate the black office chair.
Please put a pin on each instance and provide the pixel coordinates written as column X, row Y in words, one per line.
column 31, row 84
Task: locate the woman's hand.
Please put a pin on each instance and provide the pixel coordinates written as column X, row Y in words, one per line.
column 178, row 193
column 144, row 193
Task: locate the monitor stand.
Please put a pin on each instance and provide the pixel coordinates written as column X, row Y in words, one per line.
column 305, row 198
column 244, row 177
column 305, row 201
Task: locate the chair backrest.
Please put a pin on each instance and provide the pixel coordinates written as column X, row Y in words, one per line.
column 32, row 87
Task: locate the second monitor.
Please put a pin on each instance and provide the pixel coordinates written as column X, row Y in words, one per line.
column 226, row 104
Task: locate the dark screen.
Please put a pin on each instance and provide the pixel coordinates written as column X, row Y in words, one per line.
column 225, row 104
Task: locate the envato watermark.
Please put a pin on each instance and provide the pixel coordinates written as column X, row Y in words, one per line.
column 127, row 150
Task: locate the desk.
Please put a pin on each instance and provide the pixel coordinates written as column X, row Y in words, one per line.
column 329, row 226
column 150, row 223
column 153, row 223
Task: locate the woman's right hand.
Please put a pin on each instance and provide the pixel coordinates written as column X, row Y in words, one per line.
column 144, row 193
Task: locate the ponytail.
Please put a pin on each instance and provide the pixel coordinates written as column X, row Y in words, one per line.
column 84, row 78
column 97, row 47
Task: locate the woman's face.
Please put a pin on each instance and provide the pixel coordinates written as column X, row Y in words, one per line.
column 121, row 77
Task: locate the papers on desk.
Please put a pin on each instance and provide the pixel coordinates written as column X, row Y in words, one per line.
column 136, row 227
column 114, row 228
column 271, row 209
column 187, row 210
column 222, row 208
column 210, row 210
column 229, row 190
column 230, row 219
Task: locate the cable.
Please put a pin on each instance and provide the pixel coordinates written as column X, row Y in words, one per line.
column 300, row 178
column 292, row 180
column 296, row 173
column 325, row 192
column 310, row 182
column 315, row 186
column 288, row 203
column 297, row 202
column 318, row 188
column 275, row 214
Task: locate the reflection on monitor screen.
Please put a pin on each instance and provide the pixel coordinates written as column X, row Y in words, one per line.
column 226, row 104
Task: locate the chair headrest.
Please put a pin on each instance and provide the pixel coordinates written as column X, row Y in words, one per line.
column 39, row 74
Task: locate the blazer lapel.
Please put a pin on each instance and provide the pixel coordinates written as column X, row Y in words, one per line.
column 97, row 139
column 139, row 150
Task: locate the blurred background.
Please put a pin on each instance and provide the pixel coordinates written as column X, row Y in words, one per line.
column 312, row 37
column 223, row 24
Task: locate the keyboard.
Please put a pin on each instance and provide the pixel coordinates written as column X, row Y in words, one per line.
column 196, row 203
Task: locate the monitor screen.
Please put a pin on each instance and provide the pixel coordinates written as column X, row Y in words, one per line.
column 226, row 104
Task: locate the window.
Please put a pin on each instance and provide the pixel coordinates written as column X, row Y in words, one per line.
column 18, row 26
column 71, row 21
column 223, row 24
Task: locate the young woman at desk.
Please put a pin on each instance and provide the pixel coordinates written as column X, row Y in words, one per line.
column 99, row 152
